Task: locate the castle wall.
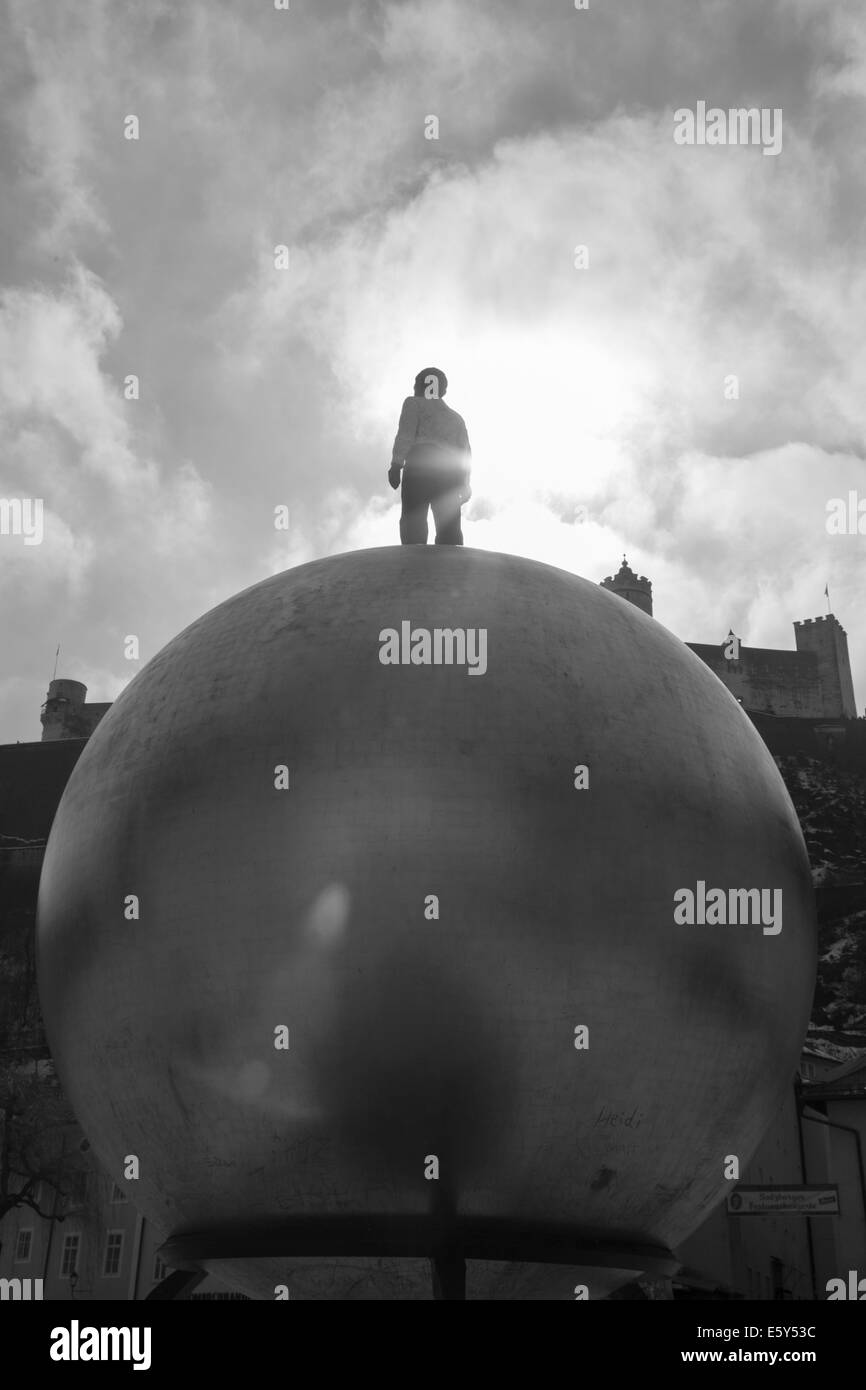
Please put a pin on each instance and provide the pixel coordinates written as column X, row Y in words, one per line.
column 771, row 682
column 32, row 778
column 64, row 717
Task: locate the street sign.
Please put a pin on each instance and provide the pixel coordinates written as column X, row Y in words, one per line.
column 803, row 1200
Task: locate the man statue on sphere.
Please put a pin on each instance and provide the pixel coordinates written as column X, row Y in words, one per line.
column 432, row 449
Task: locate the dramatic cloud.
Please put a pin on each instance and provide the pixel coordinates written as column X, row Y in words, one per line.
column 599, row 400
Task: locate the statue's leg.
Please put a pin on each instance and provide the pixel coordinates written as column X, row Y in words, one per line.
column 446, row 514
column 415, row 500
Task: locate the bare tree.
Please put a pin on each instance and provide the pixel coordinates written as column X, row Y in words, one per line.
column 34, row 1119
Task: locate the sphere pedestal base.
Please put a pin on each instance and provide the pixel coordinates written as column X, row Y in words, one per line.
column 190, row 1253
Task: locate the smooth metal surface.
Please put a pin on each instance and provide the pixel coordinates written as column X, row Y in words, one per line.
column 305, row 908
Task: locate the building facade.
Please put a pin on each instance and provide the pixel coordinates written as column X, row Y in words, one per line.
column 102, row 1250
column 817, row 1140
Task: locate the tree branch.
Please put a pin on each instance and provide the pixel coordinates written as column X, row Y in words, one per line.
column 48, row 1215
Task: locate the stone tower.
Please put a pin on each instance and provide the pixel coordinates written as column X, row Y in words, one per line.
column 65, row 714
column 637, row 589
column 826, row 637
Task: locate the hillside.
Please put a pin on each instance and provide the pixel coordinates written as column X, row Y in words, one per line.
column 831, row 805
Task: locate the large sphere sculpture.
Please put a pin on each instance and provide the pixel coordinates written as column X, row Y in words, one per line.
column 311, row 919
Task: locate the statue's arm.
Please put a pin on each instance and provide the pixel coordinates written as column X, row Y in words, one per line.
column 406, row 431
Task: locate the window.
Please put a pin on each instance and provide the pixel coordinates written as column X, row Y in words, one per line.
column 159, row 1269
column 118, row 1194
column 24, row 1246
column 113, row 1252
column 69, row 1256
column 76, row 1191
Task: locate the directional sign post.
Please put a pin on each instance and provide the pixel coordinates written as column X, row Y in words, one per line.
column 803, row 1200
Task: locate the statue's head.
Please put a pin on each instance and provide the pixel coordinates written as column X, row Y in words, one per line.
column 432, row 383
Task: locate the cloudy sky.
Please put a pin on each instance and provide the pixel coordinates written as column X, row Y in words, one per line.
column 600, row 387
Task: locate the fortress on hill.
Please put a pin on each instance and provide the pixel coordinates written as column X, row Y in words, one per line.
column 812, row 682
